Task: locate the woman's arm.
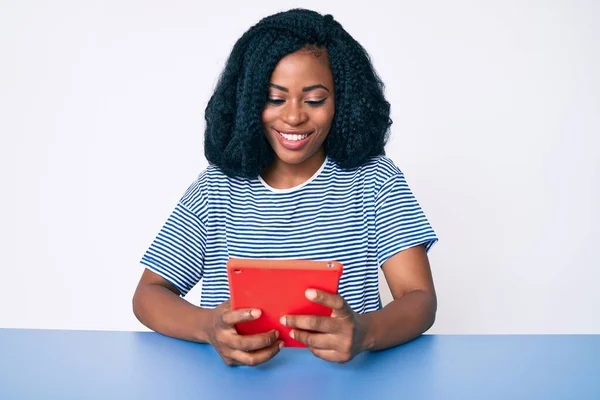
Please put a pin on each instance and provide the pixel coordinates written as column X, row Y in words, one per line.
column 345, row 334
column 413, row 309
column 157, row 304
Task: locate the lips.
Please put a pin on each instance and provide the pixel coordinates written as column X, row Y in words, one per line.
column 293, row 140
column 295, row 132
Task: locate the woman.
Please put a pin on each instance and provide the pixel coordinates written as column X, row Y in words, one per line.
column 295, row 135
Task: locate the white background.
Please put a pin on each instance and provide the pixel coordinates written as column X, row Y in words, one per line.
column 496, row 126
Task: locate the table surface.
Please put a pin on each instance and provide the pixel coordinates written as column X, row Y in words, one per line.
column 132, row 365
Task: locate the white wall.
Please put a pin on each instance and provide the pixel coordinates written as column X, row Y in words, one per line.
column 496, row 124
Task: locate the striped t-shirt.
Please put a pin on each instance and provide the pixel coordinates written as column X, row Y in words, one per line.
column 359, row 217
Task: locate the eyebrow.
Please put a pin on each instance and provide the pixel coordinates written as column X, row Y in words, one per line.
column 306, row 89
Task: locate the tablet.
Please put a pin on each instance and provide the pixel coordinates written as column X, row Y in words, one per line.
column 277, row 288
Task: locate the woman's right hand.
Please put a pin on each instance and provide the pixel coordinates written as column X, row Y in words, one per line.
column 236, row 349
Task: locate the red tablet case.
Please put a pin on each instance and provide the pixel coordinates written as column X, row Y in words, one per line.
column 277, row 288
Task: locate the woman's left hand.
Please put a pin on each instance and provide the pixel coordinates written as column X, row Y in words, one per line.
column 337, row 338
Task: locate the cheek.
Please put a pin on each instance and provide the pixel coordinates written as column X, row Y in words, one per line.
column 324, row 117
column 268, row 115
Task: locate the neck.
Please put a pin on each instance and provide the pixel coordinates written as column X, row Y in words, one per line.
column 281, row 175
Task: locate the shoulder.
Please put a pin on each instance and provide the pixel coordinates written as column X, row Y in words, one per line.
column 210, row 182
column 383, row 167
column 376, row 171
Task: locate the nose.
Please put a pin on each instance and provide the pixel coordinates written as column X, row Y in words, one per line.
column 293, row 114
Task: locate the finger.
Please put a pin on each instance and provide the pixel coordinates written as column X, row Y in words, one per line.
column 233, row 317
column 328, row 355
column 333, row 301
column 226, row 305
column 314, row 340
column 251, row 342
column 256, row 357
column 311, row 323
column 231, row 362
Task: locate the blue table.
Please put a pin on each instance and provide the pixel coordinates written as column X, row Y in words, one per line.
column 134, row 365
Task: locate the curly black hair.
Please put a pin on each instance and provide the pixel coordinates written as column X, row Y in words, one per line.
column 234, row 139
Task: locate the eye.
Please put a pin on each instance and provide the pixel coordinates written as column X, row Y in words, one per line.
column 316, row 103
column 278, row 102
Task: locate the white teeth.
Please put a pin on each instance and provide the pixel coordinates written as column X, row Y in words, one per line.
column 293, row 137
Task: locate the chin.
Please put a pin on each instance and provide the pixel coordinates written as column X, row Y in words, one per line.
column 292, row 158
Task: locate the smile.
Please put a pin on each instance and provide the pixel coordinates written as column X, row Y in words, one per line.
column 294, row 137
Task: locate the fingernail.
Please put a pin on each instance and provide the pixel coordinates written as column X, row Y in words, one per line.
column 282, row 320
column 281, row 345
column 276, row 334
column 292, row 334
column 311, row 294
column 255, row 313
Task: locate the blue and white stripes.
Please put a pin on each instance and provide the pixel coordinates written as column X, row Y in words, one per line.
column 359, row 217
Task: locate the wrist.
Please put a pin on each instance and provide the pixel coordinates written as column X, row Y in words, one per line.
column 203, row 323
column 368, row 332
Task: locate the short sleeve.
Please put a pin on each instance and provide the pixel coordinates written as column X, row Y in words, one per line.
column 400, row 222
column 177, row 253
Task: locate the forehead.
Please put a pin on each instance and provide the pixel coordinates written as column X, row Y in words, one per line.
column 302, row 67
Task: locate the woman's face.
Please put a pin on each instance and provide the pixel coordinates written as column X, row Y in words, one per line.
column 300, row 107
